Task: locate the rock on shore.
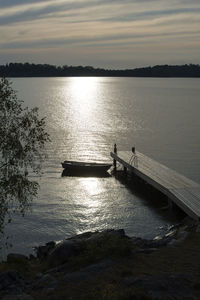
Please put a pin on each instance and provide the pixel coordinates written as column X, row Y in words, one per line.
column 107, row 265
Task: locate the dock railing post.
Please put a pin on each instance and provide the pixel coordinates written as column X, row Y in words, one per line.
column 114, row 160
column 170, row 204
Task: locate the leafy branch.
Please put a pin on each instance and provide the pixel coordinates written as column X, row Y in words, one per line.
column 22, row 150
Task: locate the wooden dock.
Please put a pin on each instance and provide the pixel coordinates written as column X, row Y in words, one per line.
column 184, row 192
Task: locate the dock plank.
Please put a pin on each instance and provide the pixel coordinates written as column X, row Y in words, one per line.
column 180, row 189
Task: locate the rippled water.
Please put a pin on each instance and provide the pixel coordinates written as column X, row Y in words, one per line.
column 85, row 117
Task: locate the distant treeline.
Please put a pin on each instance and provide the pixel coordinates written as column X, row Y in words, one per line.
column 45, row 70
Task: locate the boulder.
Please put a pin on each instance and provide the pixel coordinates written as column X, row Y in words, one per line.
column 43, row 251
column 45, row 282
column 82, row 236
column 106, row 234
column 146, row 244
column 61, row 253
column 11, row 281
column 97, row 235
column 89, row 271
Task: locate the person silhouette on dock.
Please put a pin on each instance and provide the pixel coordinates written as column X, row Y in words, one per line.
column 115, row 148
column 114, row 160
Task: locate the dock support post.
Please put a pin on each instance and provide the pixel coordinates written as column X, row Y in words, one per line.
column 125, row 170
column 170, row 204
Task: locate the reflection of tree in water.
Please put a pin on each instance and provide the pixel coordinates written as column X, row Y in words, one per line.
column 22, row 142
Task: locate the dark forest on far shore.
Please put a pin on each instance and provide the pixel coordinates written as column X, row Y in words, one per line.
column 46, row 70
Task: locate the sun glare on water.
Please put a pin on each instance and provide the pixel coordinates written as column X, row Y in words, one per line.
column 83, row 112
column 83, row 90
column 91, row 188
column 84, row 105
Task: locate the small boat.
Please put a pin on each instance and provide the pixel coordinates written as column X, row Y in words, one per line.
column 85, row 167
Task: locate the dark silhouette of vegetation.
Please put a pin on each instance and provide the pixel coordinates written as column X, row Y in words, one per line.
column 22, row 144
column 45, row 70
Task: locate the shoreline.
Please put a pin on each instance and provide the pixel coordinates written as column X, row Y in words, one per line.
column 46, row 70
column 109, row 262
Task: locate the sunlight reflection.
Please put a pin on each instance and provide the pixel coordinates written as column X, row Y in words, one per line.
column 83, row 91
column 92, row 186
column 92, row 209
column 84, row 86
column 83, row 113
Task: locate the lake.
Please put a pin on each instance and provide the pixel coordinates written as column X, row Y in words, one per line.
column 85, row 116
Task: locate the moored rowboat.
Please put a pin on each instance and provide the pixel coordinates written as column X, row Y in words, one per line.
column 79, row 166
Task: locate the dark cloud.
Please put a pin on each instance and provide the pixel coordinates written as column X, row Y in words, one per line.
column 9, row 3
column 150, row 14
column 98, row 41
column 31, row 14
column 35, row 13
column 53, row 7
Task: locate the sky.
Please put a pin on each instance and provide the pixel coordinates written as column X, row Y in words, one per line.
column 112, row 34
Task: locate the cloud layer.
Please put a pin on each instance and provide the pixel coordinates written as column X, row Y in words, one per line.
column 102, row 33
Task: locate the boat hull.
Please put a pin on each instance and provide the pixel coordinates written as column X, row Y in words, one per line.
column 73, row 167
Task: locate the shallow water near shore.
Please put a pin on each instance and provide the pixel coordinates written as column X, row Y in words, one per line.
column 85, row 117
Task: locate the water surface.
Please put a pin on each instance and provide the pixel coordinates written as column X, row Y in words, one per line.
column 85, row 117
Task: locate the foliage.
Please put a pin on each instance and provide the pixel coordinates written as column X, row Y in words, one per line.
column 46, row 70
column 22, row 142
